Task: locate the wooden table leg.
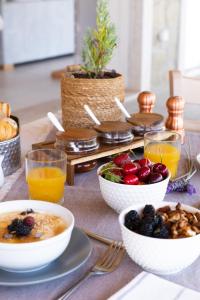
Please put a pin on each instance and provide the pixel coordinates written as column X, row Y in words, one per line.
column 70, row 174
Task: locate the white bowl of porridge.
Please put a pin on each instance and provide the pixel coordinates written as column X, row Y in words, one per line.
column 32, row 234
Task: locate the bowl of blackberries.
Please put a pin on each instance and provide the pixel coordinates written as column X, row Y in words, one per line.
column 162, row 238
column 124, row 181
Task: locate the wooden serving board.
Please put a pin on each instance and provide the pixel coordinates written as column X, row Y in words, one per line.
column 103, row 151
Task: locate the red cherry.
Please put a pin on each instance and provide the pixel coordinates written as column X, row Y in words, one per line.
column 144, row 173
column 121, row 159
column 160, row 168
column 131, row 179
column 136, row 162
column 130, row 168
column 145, row 162
column 155, row 177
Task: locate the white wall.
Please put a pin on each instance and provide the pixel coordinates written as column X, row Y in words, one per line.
column 189, row 47
column 36, row 30
column 85, row 18
column 120, row 15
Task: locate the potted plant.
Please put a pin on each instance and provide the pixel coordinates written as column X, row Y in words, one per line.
column 91, row 83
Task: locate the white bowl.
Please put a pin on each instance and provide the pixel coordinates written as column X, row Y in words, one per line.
column 160, row 256
column 24, row 257
column 120, row 196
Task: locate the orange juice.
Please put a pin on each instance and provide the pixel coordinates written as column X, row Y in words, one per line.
column 46, row 183
column 165, row 153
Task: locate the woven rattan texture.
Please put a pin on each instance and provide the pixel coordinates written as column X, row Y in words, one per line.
column 97, row 93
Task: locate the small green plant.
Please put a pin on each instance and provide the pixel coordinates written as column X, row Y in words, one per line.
column 99, row 43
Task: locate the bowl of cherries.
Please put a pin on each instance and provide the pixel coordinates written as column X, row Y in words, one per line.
column 124, row 182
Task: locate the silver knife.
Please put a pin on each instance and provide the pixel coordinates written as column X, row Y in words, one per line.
column 98, row 237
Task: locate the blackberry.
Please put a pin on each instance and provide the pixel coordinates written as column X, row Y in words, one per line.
column 149, row 218
column 148, row 210
column 131, row 215
column 18, row 228
column 28, row 211
column 161, row 232
column 14, row 225
column 132, row 220
column 155, row 220
column 158, row 220
column 23, row 230
column 146, row 228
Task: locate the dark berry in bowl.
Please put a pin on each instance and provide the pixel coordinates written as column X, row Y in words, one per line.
column 160, row 168
column 143, row 173
column 29, row 221
column 148, row 210
column 23, row 230
column 144, row 162
column 158, row 220
column 161, row 232
column 155, row 177
column 14, row 225
column 28, row 211
column 146, row 228
column 132, row 220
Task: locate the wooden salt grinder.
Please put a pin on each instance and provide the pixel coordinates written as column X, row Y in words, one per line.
column 174, row 122
column 146, row 101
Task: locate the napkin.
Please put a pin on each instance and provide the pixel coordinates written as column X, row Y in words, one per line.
column 151, row 287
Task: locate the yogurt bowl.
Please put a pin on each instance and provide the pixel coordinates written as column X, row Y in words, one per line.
column 158, row 255
column 31, row 256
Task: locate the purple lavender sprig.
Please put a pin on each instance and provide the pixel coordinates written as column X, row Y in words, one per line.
column 191, row 189
column 181, row 186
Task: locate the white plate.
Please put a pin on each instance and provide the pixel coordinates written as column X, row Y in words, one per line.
column 75, row 255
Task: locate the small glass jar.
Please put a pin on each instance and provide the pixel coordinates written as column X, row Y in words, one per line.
column 146, row 122
column 115, row 132
column 77, row 141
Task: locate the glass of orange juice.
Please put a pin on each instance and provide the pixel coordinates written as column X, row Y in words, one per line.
column 46, row 174
column 163, row 147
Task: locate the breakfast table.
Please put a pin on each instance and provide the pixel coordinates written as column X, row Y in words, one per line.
column 91, row 212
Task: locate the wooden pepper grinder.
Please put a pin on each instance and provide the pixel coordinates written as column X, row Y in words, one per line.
column 146, row 101
column 174, row 122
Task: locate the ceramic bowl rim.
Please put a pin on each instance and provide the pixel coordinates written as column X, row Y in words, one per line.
column 164, row 203
column 131, row 185
column 69, row 228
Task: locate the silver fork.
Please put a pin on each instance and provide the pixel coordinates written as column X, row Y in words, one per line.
column 107, row 263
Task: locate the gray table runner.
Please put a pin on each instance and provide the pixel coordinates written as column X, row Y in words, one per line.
column 91, row 212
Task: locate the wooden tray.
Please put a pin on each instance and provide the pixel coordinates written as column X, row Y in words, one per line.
column 103, row 151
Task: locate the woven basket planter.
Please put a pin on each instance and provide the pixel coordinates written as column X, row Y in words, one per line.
column 97, row 93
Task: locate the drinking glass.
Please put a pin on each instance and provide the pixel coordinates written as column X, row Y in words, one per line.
column 46, row 174
column 163, row 147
